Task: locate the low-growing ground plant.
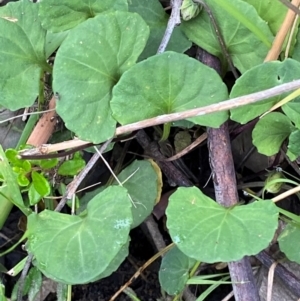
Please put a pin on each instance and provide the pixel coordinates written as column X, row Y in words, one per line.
column 118, row 66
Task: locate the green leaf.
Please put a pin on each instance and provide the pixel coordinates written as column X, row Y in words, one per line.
column 292, row 111
column 11, row 155
column 153, row 89
column 270, row 132
column 289, row 241
column 40, row 183
column 2, row 292
column 48, row 163
column 22, row 180
column 22, row 55
column 12, row 192
column 294, row 145
column 53, row 41
column 77, row 249
column 71, row 167
column 116, row 262
column 174, row 271
column 141, row 181
column 91, row 60
column 272, row 12
column 26, row 165
column 33, row 195
column 63, row 15
column 247, row 37
column 264, row 76
column 157, row 19
column 34, row 283
column 207, row 231
column 31, row 286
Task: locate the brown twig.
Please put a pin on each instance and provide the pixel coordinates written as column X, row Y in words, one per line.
column 224, row 179
column 287, row 277
column 72, row 187
column 45, row 126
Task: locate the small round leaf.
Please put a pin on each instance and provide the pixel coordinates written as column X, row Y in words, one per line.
column 270, row 132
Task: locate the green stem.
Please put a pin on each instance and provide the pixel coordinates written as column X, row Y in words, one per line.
column 15, row 245
column 166, row 132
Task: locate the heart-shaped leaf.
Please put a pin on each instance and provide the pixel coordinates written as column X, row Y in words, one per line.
column 63, row 15
column 77, row 249
column 22, row 54
column 207, row 231
column 270, row 132
column 168, row 83
column 87, row 66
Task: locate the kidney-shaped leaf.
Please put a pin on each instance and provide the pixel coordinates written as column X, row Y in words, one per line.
column 270, row 132
column 168, row 83
column 174, row 271
column 22, row 56
column 87, row 66
column 63, row 15
column 77, row 249
column 247, row 37
column 209, row 232
column 264, row 76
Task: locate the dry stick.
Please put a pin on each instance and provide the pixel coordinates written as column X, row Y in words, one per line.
column 287, row 277
column 281, row 35
column 45, row 126
column 186, row 150
column 174, row 20
column 226, row 194
column 218, row 107
column 291, row 6
column 72, row 187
